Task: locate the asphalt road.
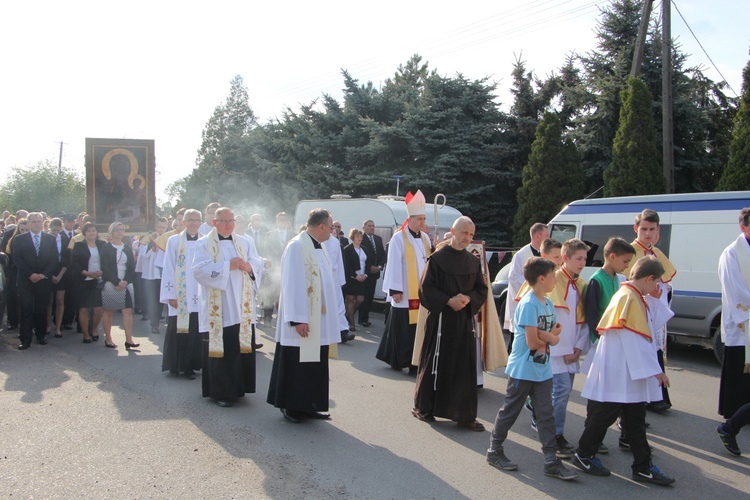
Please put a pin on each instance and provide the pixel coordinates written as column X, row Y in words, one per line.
column 82, row 421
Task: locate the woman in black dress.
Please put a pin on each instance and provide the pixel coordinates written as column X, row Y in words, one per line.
column 118, row 268
column 87, row 271
column 354, row 269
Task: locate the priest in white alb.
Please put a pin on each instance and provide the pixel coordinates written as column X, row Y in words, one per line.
column 734, row 274
column 307, row 323
column 227, row 266
column 182, row 342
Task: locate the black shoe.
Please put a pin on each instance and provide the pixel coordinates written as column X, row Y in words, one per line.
column 366, row 324
column 12, row 327
column 291, row 415
column 319, row 415
column 67, row 327
column 729, row 441
column 144, row 318
column 190, row 375
column 41, row 341
column 654, row 476
column 23, row 347
column 412, row 371
column 564, row 448
column 131, row 346
column 658, row 407
column 257, row 347
column 346, row 336
column 224, row 403
column 88, row 341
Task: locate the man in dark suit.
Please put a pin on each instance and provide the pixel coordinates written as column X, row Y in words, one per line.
column 375, row 251
column 36, row 257
column 257, row 230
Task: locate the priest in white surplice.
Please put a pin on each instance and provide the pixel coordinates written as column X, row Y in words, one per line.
column 179, row 290
column 227, row 266
column 307, row 324
column 734, row 274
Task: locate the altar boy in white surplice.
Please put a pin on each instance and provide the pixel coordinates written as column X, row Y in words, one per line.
column 625, row 373
column 307, row 324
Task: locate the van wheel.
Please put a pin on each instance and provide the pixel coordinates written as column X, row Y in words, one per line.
column 718, row 344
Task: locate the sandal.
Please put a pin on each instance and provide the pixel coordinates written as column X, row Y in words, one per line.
column 424, row 417
column 472, row 426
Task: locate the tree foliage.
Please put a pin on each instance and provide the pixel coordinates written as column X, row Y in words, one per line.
column 737, row 174
column 635, row 167
column 448, row 134
column 552, row 177
column 41, row 188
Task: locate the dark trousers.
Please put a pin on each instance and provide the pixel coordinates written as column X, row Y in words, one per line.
column 600, row 415
column 740, row 419
column 33, row 299
column 366, row 306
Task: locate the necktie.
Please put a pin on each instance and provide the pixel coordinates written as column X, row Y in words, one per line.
column 36, row 243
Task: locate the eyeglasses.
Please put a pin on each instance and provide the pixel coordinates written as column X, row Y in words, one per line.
column 226, row 221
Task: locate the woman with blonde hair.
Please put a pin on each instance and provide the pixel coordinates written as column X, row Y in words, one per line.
column 356, row 275
column 118, row 272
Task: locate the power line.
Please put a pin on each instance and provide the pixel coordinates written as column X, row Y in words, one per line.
column 703, row 49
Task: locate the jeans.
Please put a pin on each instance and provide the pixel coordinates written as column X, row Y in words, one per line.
column 562, row 384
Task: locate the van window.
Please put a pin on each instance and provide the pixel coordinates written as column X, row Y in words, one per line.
column 596, row 237
column 562, row 232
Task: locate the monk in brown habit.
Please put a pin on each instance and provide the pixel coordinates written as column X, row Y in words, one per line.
column 453, row 290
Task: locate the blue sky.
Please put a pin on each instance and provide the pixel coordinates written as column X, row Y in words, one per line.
column 156, row 70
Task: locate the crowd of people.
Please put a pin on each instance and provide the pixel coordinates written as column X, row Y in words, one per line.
column 218, row 280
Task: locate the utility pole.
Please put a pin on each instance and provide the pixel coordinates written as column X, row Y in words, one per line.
column 640, row 42
column 59, row 161
column 666, row 95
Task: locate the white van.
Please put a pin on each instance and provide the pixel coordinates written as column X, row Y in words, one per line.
column 694, row 230
column 388, row 213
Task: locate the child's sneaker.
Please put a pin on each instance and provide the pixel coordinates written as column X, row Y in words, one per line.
column 729, row 441
column 591, row 465
column 654, row 475
column 558, row 470
column 498, row 460
column 564, row 448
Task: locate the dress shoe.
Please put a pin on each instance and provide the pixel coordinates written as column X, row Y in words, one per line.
column 319, row 415
column 95, row 338
column 67, row 327
column 42, row 341
column 472, row 426
column 346, row 336
column 658, row 407
column 111, row 346
column 128, row 345
column 423, row 416
column 12, row 327
column 190, row 375
column 366, row 324
column 257, row 347
column 224, row 403
column 58, row 335
column 23, row 347
column 291, row 415
column 87, row 341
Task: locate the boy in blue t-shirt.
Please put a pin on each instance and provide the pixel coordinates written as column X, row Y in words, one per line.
column 529, row 372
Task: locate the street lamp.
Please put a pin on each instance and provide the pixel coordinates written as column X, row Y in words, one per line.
column 398, row 181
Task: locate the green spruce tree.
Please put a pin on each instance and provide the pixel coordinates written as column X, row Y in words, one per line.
column 552, row 178
column 635, row 167
column 737, row 174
